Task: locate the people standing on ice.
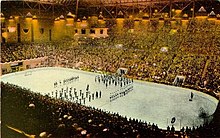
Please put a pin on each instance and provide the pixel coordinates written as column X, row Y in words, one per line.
column 80, row 92
column 65, row 96
column 97, row 95
column 168, row 128
column 89, row 98
column 84, row 101
column 75, row 93
column 70, row 94
column 60, row 95
column 87, row 94
column 98, row 79
column 172, row 129
column 56, row 94
column 87, row 88
column 191, row 95
column 54, row 84
column 82, row 95
column 67, row 89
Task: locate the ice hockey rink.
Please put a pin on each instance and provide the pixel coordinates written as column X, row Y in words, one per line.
column 146, row 101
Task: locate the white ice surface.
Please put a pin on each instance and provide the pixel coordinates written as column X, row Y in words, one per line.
column 150, row 102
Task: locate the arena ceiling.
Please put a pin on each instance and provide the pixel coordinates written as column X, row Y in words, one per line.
column 107, row 2
column 128, row 2
column 109, row 8
column 56, row 2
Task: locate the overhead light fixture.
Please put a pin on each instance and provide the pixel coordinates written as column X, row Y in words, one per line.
column 185, row 16
column 34, row 17
column 202, row 9
column 218, row 16
column 100, row 16
column 84, row 18
column 70, row 15
column 212, row 14
column 201, row 12
column 57, row 19
column 2, row 16
column 62, row 17
column 146, row 16
column 11, row 18
column 29, row 15
column 120, row 14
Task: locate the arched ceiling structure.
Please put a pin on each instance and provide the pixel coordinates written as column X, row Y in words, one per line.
column 108, row 8
column 131, row 7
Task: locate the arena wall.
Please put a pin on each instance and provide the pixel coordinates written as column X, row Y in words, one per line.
column 33, row 29
column 20, row 65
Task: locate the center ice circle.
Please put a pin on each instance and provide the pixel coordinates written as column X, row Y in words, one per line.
column 155, row 103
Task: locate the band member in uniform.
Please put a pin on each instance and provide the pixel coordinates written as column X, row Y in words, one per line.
column 192, row 95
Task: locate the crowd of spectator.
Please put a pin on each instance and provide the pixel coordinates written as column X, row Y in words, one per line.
column 21, row 52
column 157, row 55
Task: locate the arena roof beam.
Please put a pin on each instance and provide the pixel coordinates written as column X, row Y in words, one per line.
column 39, row 8
column 134, row 6
column 56, row 2
column 92, row 3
